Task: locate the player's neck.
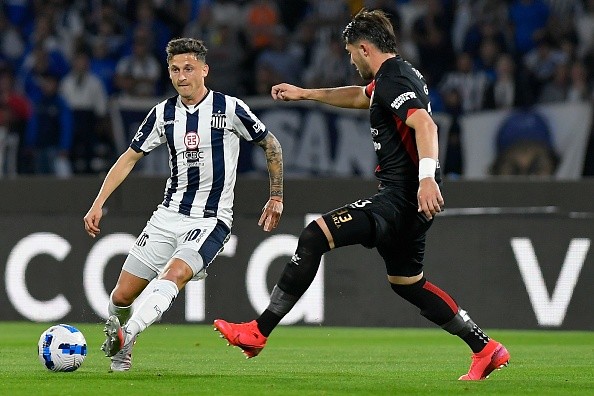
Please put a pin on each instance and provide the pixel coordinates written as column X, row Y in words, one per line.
column 378, row 60
column 195, row 99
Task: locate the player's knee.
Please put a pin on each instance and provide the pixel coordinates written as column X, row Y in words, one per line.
column 313, row 240
column 178, row 272
column 121, row 298
column 405, row 290
column 303, row 267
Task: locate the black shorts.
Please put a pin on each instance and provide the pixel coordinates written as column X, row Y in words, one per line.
column 395, row 227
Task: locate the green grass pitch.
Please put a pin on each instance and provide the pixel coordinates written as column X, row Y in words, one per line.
column 301, row 360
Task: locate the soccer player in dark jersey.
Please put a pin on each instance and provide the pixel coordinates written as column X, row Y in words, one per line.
column 396, row 219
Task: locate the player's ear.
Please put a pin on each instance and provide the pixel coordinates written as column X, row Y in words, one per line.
column 364, row 48
column 205, row 69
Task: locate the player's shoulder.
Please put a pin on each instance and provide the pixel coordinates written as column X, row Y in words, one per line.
column 400, row 68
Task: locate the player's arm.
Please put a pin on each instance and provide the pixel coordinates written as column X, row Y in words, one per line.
column 116, row 175
column 353, row 96
column 429, row 196
column 274, row 161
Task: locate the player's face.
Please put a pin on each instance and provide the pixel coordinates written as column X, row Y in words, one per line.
column 187, row 75
column 360, row 62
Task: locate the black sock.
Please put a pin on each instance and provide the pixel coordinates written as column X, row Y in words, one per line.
column 296, row 278
column 267, row 322
column 476, row 339
column 435, row 304
column 440, row 308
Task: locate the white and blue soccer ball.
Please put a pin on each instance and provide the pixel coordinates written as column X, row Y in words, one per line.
column 62, row 348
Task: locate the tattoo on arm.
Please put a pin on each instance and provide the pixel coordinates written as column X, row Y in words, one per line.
column 274, row 162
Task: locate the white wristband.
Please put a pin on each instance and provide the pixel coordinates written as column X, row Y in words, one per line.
column 427, row 168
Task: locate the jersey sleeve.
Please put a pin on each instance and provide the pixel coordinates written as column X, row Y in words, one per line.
column 399, row 96
column 247, row 124
column 148, row 136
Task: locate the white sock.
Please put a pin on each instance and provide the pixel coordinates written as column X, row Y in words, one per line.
column 123, row 313
column 152, row 308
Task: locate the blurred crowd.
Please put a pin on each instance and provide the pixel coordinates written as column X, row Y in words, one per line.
column 61, row 61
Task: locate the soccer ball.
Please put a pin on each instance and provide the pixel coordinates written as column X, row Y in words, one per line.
column 62, row 348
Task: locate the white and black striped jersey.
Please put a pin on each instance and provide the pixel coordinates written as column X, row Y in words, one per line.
column 203, row 143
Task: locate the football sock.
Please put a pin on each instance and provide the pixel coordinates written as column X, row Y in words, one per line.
column 152, row 308
column 463, row 326
column 280, row 304
column 296, row 278
column 440, row 308
column 123, row 313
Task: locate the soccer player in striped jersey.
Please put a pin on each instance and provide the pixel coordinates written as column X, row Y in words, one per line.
column 201, row 130
column 396, row 219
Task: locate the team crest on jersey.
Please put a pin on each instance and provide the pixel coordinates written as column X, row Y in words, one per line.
column 191, row 140
column 218, row 121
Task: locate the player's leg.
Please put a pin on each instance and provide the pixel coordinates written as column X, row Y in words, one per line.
column 404, row 263
column 196, row 250
column 342, row 227
column 133, row 279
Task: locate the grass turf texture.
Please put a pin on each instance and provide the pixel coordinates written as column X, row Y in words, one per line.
column 191, row 359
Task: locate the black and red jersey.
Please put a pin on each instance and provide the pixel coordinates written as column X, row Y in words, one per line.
column 397, row 91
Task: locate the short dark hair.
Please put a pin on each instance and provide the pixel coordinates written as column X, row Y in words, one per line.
column 373, row 26
column 186, row 45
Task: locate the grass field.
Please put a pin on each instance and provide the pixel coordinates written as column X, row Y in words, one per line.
column 192, row 360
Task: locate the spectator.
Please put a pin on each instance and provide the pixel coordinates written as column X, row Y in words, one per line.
column 529, row 20
column 506, row 91
column 330, row 66
column 39, row 61
column 542, row 61
column 584, row 24
column 431, row 32
column 281, row 59
column 102, row 65
column 86, row 96
column 470, row 84
column 49, row 131
column 138, row 74
column 12, row 45
column 556, row 90
column 158, row 33
column 580, row 88
column 66, row 19
column 262, row 17
column 15, row 111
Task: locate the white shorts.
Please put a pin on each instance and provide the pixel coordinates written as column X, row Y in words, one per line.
column 169, row 234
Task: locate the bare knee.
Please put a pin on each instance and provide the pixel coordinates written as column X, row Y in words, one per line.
column 127, row 289
column 121, row 297
column 177, row 271
column 404, row 280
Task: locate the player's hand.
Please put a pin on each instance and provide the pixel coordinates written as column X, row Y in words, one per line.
column 429, row 197
column 271, row 214
column 286, row 92
column 92, row 219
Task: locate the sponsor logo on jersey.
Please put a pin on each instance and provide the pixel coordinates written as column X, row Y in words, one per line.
column 192, row 154
column 403, row 98
column 191, row 140
column 374, row 132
